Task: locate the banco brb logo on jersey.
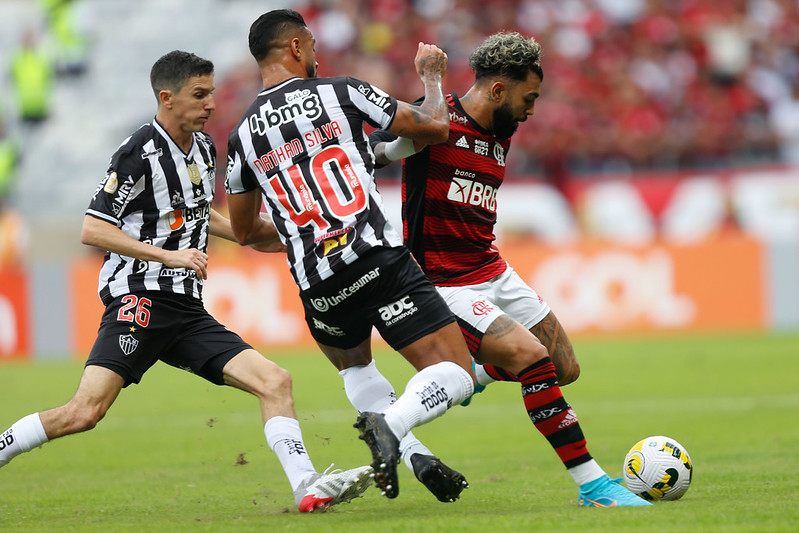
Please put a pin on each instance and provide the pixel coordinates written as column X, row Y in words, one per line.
column 470, row 192
column 298, row 104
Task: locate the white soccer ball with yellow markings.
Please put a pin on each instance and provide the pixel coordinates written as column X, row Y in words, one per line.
column 658, row 468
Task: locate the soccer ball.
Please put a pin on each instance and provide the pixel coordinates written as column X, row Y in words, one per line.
column 658, row 468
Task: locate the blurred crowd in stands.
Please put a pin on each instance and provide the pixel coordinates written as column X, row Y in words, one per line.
column 629, row 85
column 54, row 48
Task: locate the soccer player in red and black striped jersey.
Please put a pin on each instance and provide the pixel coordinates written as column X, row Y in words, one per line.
column 152, row 214
column 302, row 150
column 449, row 212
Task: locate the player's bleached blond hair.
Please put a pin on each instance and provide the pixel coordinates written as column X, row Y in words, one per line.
column 509, row 55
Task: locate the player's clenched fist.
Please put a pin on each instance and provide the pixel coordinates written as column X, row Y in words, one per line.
column 430, row 59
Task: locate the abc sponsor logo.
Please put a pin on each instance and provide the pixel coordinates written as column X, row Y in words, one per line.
column 396, row 311
column 330, row 330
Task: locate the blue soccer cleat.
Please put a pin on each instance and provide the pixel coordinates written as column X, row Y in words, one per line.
column 606, row 492
column 477, row 390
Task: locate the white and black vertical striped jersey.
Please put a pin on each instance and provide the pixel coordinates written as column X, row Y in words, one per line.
column 302, row 142
column 156, row 193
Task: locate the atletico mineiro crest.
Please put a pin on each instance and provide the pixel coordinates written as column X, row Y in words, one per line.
column 194, row 173
column 128, row 344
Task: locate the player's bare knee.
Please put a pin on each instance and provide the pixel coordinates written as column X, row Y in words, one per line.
column 275, row 383
column 84, row 418
column 519, row 356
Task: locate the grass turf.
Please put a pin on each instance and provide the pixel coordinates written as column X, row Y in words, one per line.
column 178, row 454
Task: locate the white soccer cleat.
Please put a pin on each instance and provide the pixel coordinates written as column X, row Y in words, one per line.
column 321, row 491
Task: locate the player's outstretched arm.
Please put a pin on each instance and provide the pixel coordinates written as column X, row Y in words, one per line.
column 249, row 227
column 220, row 226
column 107, row 236
column 429, row 122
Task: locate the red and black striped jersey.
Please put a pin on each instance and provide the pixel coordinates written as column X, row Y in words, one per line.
column 302, row 143
column 449, row 203
column 156, row 193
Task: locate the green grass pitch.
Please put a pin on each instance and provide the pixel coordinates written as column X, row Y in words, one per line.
column 177, row 454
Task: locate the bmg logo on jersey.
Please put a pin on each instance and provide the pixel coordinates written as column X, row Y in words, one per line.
column 470, row 192
column 396, row 311
column 298, row 104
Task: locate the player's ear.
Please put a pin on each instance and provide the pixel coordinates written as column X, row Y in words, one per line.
column 498, row 91
column 295, row 46
column 165, row 98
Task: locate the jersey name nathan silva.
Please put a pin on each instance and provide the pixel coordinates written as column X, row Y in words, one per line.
column 449, row 197
column 156, row 193
column 302, row 143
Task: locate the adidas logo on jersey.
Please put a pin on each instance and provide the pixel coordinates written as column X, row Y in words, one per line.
column 462, row 142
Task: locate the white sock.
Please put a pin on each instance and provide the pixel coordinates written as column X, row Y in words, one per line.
column 284, row 436
column 368, row 390
column 482, row 376
column 428, row 395
column 586, row 472
column 24, row 435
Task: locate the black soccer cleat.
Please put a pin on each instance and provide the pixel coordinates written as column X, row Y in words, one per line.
column 385, row 450
column 445, row 483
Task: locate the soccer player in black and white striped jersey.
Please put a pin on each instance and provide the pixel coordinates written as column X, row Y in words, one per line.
column 301, row 148
column 152, row 213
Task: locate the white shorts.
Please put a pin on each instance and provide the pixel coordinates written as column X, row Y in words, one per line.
column 477, row 306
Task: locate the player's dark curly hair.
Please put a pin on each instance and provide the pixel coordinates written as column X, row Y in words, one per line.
column 508, row 55
column 270, row 29
column 173, row 69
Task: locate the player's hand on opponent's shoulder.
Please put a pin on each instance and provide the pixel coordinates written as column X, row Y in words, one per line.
column 430, row 59
column 191, row 258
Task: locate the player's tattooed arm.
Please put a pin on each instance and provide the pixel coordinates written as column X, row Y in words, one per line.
column 428, row 123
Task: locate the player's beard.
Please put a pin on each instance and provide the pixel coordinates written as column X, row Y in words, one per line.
column 504, row 123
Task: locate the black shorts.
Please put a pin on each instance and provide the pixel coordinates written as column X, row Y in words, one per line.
column 385, row 289
column 139, row 329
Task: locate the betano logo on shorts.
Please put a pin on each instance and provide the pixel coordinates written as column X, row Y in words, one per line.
column 324, row 303
column 396, row 311
column 298, row 104
column 467, row 191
